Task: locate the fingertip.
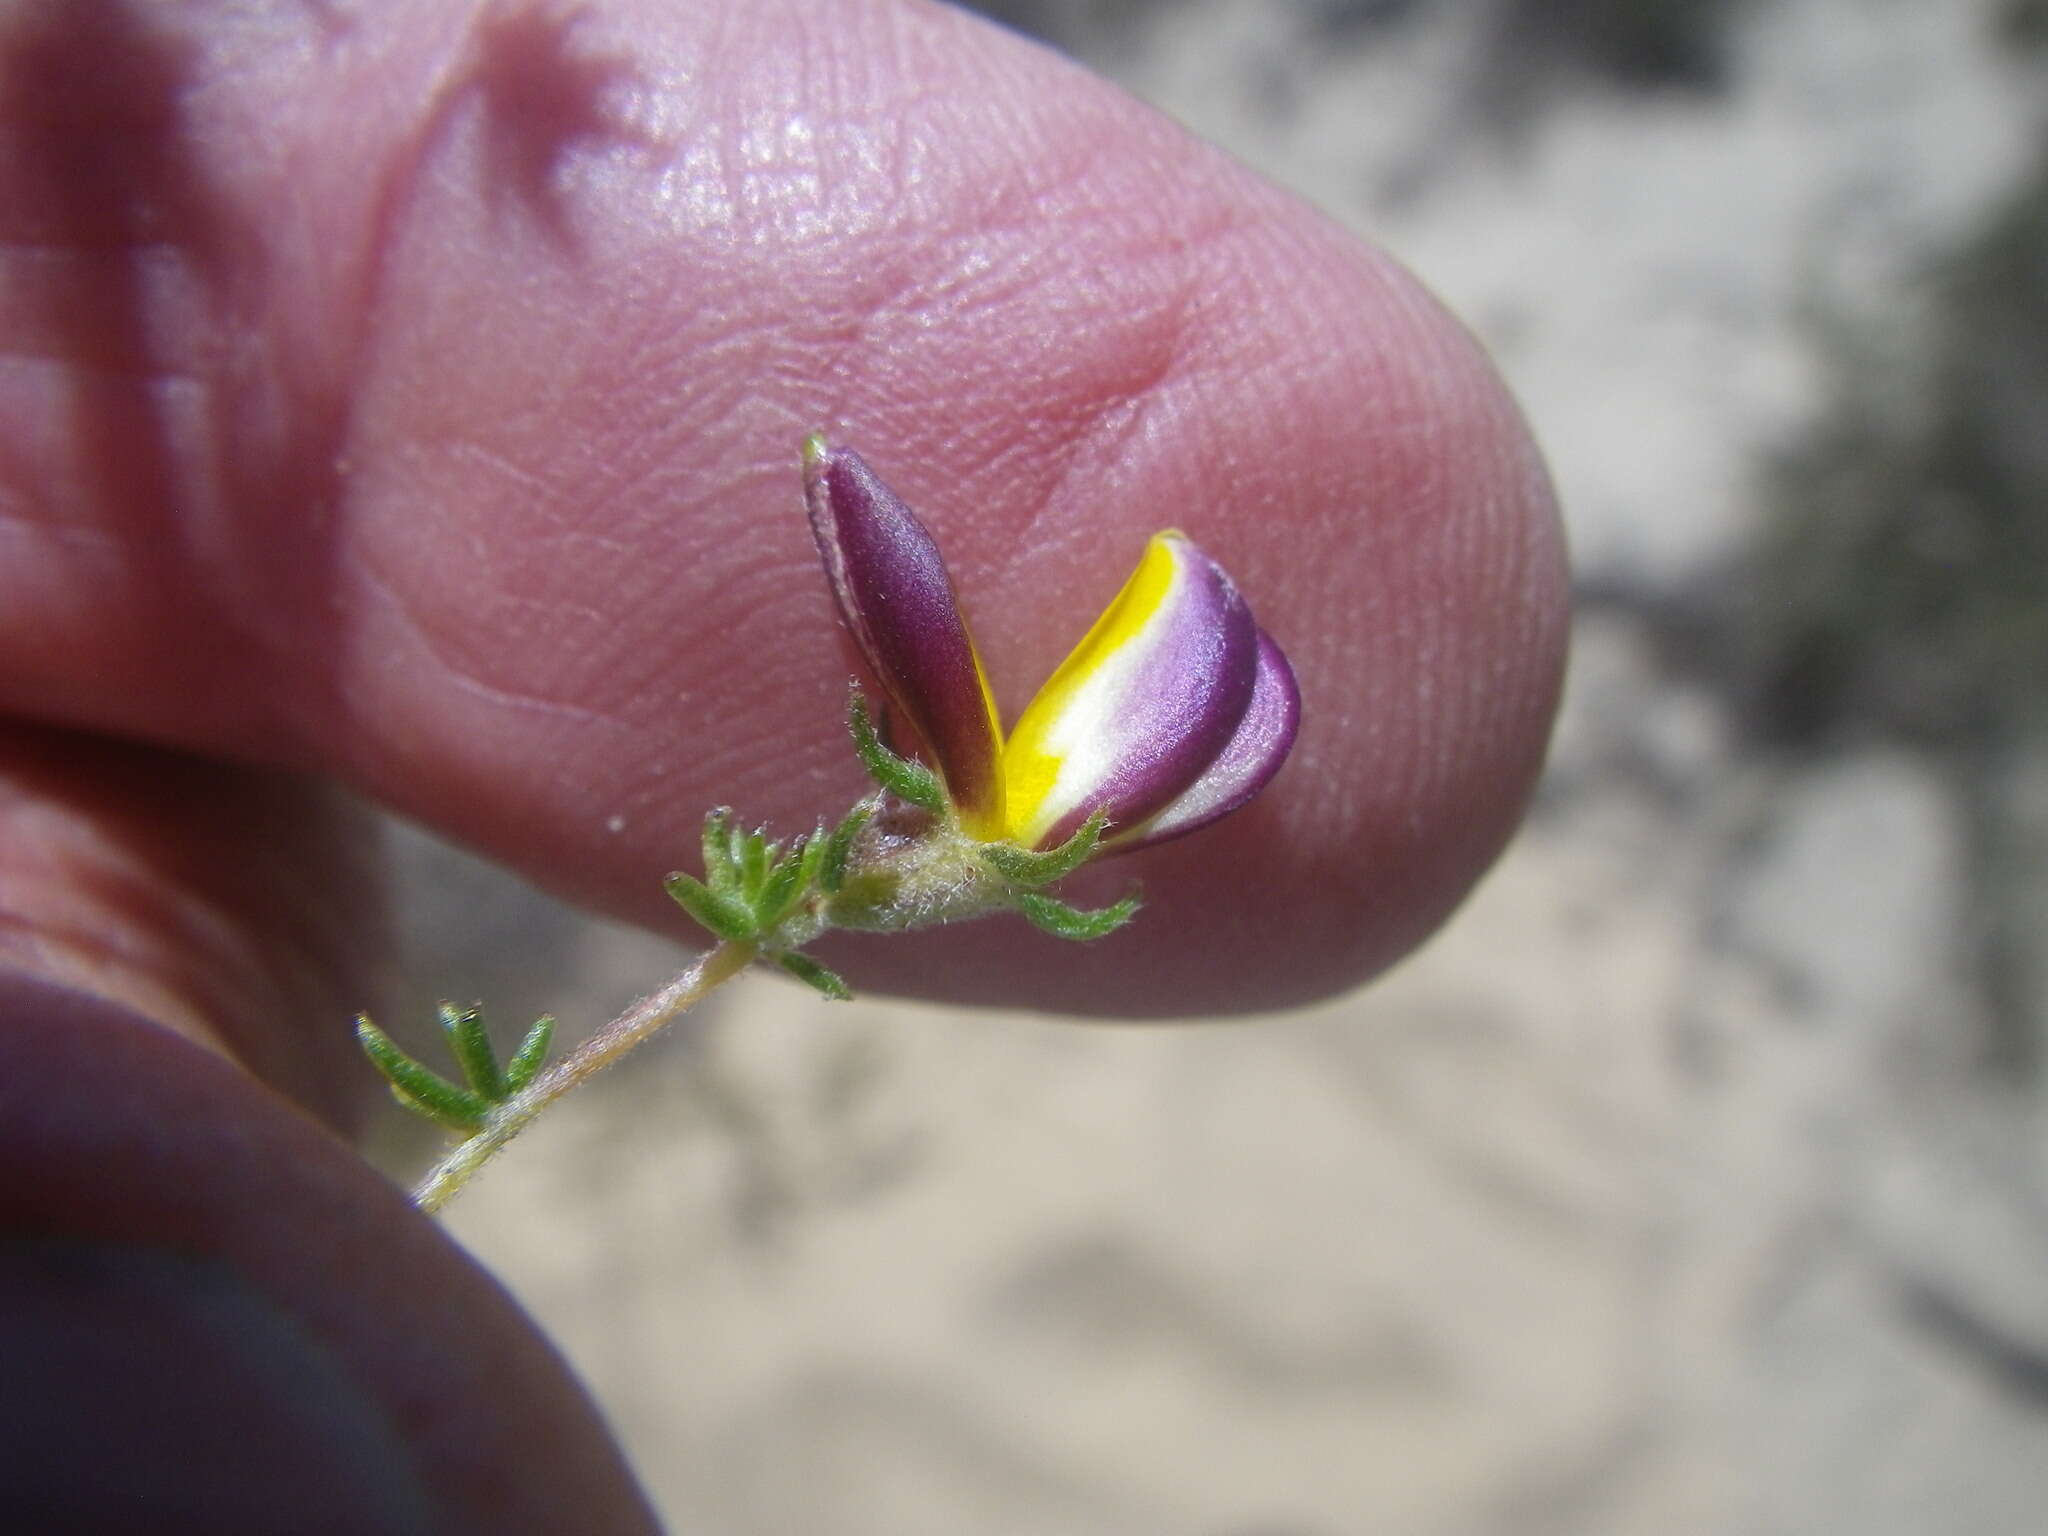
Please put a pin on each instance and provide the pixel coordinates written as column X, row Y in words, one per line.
column 532, row 391
column 1055, row 323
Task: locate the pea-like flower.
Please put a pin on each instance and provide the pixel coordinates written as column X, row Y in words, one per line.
column 1174, row 710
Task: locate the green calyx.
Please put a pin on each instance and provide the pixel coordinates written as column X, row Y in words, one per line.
column 908, row 781
column 1020, row 866
column 1025, row 871
column 878, row 877
column 461, row 1107
column 1077, row 923
column 827, row 983
column 838, row 855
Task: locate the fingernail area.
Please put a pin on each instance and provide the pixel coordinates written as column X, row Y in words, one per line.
column 144, row 1390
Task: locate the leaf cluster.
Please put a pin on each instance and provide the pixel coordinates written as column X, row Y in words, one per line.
column 459, row 1106
column 777, row 898
column 764, row 893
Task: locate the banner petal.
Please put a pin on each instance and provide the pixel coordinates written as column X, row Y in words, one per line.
column 896, row 596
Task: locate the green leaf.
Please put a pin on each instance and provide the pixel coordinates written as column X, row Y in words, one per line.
column 1024, row 867
column 753, row 864
column 839, row 848
column 1065, row 922
column 724, row 915
column 467, row 1125
column 719, row 873
column 526, row 1062
column 780, row 889
column 418, row 1087
column 908, row 781
column 812, row 862
column 808, row 971
column 471, row 1045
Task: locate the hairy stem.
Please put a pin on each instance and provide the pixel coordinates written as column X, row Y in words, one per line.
column 642, row 1021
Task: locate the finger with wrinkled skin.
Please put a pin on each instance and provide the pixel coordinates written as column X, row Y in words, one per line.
column 445, row 441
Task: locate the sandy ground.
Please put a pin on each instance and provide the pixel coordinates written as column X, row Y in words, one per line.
column 1694, row 1181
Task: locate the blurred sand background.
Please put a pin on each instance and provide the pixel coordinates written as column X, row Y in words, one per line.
column 1695, row 1180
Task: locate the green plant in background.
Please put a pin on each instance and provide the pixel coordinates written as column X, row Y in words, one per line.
column 460, row 1107
column 1900, row 589
column 1903, row 582
column 1174, row 710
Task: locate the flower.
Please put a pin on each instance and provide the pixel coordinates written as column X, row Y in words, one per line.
column 1174, row 710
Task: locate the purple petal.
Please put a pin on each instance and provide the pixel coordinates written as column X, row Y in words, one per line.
column 1264, row 738
column 1147, row 701
column 896, row 597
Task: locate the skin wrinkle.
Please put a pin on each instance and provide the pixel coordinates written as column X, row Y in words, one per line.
column 1033, row 193
column 451, row 650
column 1122, row 410
column 464, row 67
column 501, row 463
column 108, row 853
column 104, row 958
column 464, row 659
column 772, row 596
column 602, row 782
column 87, row 188
column 248, row 488
column 438, row 641
column 1207, row 254
column 911, row 266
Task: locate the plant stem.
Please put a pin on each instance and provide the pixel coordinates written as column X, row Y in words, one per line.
column 642, row 1021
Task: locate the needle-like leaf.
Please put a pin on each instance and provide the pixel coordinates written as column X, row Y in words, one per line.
column 417, row 1086
column 1065, row 922
column 839, row 847
column 724, row 914
column 470, row 1044
column 526, row 1062
column 779, row 889
column 808, row 971
column 1028, row 868
column 719, row 873
column 906, row 780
